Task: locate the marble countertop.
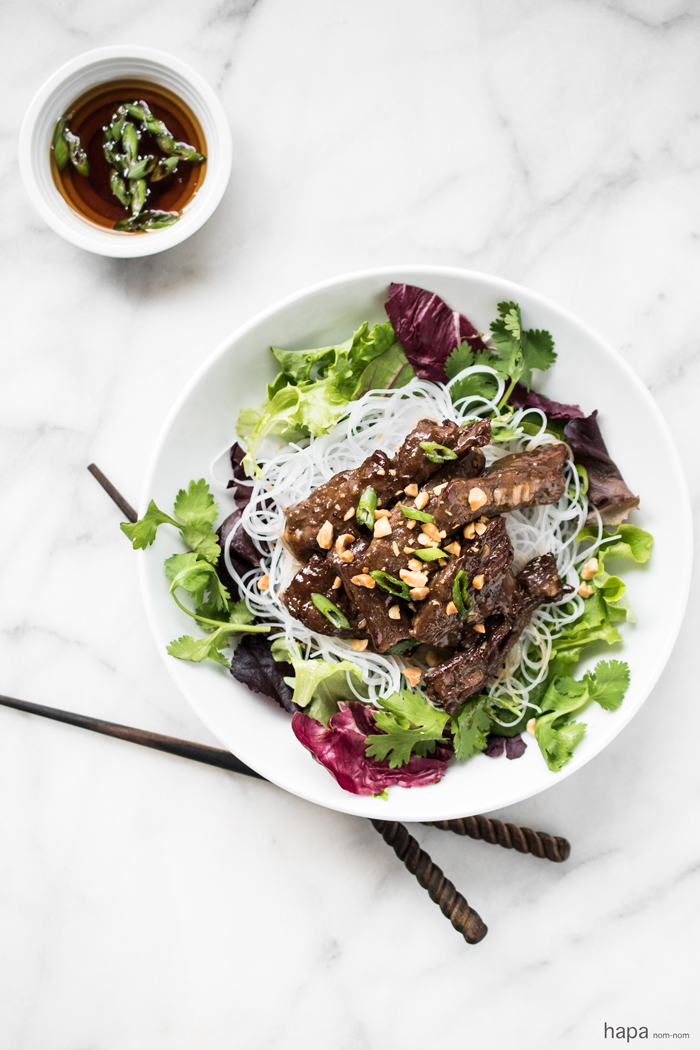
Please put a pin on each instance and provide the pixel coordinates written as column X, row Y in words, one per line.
column 146, row 901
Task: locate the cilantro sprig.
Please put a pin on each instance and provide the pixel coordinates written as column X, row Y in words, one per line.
column 409, row 724
column 196, row 511
column 516, row 353
column 195, row 573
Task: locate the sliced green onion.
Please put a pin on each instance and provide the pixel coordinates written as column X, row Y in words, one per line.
column 437, row 453
column 396, row 587
column 583, row 474
column 330, row 611
column 460, row 595
column 401, row 647
column 366, row 508
column 416, row 515
column 430, row 553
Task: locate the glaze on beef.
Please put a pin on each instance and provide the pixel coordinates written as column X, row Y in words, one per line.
column 318, row 577
column 525, row 479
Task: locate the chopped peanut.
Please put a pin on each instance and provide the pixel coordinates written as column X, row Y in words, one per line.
column 431, row 658
column 422, row 500
column 395, row 548
column 382, row 513
column 337, row 582
column 477, row 498
column 382, row 528
column 412, row 675
column 411, row 490
column 431, row 530
column 589, row 569
column 362, row 623
column 394, row 613
column 347, row 556
column 264, row 583
column 479, row 528
column 451, row 609
column 349, row 514
column 469, row 531
column 442, row 562
column 585, row 590
column 419, row 593
column 415, row 565
column 426, row 541
column 363, row 579
column 358, row 644
column 409, row 550
column 325, row 536
column 478, row 581
column 484, row 520
column 413, row 579
column 438, row 488
column 453, row 548
column 381, row 469
column 342, row 542
column 479, row 628
column 337, row 507
column 485, row 550
column 411, row 524
column 531, row 726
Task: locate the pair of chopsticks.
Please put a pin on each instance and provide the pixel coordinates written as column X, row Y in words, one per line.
column 440, row 889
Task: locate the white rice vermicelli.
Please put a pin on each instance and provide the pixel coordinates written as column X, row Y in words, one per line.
column 381, row 419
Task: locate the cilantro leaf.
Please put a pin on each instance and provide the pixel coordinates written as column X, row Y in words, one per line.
column 538, row 352
column 196, row 650
column 520, row 352
column 608, row 683
column 471, row 725
column 143, row 532
column 196, row 506
column 191, row 573
column 557, row 739
column 204, row 542
column 238, row 612
column 409, row 724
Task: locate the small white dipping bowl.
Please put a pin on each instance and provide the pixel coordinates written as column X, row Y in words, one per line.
column 77, row 77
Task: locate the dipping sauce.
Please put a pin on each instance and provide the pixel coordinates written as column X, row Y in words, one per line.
column 92, row 195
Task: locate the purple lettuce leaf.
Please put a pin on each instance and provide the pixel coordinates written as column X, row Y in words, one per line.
column 340, row 747
column 253, row 665
column 240, row 483
column 428, row 329
column 606, row 487
column 514, row 746
column 522, row 398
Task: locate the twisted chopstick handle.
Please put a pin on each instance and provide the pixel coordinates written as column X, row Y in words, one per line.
column 510, row 836
column 450, row 901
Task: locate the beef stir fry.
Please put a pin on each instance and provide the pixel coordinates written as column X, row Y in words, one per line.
column 414, row 551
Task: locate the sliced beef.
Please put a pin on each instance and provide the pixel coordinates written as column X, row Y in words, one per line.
column 372, row 603
column 486, row 558
column 412, row 463
column 524, row 479
column 341, row 494
column 318, row 577
column 333, row 500
column 453, row 682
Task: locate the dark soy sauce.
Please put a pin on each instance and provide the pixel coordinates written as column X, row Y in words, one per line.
column 91, row 195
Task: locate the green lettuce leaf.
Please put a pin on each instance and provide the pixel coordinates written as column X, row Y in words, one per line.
column 320, row 677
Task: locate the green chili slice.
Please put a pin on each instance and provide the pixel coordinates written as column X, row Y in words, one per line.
column 396, row 587
column 366, row 508
column 460, row 595
column 417, row 515
column 330, row 611
column 430, row 553
column 437, row 453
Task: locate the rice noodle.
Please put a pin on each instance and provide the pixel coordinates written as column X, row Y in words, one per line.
column 381, row 419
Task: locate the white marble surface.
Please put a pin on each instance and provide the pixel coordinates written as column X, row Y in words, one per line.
column 150, row 902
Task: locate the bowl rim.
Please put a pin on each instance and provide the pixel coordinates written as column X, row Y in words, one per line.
column 346, row 802
column 94, row 238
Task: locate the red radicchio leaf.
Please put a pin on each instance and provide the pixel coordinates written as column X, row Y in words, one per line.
column 606, row 487
column 428, row 329
column 522, row 398
column 254, row 666
column 340, row 747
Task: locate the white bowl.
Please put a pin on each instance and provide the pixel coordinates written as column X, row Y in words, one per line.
column 88, row 71
column 588, row 371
